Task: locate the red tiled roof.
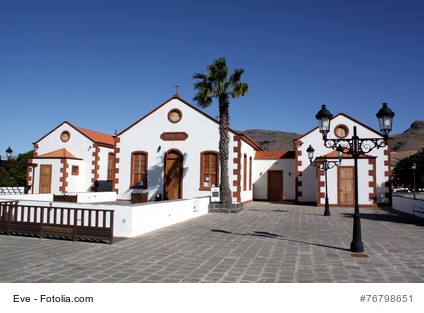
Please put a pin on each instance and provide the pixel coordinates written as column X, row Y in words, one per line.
column 274, row 154
column 61, row 153
column 96, row 136
column 333, row 154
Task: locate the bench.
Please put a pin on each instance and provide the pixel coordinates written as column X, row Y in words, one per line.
column 138, row 197
column 65, row 198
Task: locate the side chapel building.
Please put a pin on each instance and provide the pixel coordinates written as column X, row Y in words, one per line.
column 172, row 153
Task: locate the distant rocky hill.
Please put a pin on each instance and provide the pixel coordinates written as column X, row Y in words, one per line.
column 409, row 142
column 272, row 139
column 403, row 145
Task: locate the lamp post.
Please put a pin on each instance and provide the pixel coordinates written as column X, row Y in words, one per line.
column 355, row 147
column 9, row 153
column 414, row 167
column 325, row 165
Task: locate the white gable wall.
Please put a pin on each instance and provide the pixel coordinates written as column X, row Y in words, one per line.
column 81, row 147
column 145, row 136
column 78, row 144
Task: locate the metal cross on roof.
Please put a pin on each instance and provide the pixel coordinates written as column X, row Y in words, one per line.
column 176, row 88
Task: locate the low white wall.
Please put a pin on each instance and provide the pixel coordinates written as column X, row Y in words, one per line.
column 137, row 219
column 406, row 205
column 93, row 197
column 132, row 221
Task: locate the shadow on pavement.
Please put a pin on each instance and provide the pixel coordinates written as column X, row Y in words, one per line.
column 276, row 236
column 390, row 215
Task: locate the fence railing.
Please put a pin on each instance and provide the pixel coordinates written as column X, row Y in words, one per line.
column 12, row 190
column 74, row 223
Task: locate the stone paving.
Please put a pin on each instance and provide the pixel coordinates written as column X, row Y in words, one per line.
column 265, row 243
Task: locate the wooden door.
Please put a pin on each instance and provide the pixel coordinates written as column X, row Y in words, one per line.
column 45, row 178
column 346, row 185
column 275, row 185
column 173, row 175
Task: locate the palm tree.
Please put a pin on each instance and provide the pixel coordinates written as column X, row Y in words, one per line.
column 217, row 83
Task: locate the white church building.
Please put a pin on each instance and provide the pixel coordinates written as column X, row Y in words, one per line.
column 172, row 153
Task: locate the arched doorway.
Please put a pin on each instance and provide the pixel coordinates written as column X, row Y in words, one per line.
column 173, row 175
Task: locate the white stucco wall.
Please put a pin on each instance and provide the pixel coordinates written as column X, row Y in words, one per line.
column 55, row 184
column 80, row 182
column 308, row 185
column 132, row 221
column 103, row 162
column 260, row 177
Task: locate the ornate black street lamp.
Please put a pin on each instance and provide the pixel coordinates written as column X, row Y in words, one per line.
column 355, row 147
column 325, row 165
column 9, row 153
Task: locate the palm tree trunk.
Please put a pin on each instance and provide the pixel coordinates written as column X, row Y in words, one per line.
column 224, row 144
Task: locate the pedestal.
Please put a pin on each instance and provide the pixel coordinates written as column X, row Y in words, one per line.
column 225, row 208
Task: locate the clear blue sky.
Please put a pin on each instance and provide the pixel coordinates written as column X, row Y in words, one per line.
column 103, row 64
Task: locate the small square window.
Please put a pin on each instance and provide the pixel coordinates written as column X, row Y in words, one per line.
column 75, row 170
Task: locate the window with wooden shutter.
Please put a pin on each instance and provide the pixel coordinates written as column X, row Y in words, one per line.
column 209, row 168
column 110, row 166
column 139, row 170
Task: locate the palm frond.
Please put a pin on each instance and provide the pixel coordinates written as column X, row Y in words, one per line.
column 236, row 76
column 239, row 90
column 217, row 83
column 203, row 102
